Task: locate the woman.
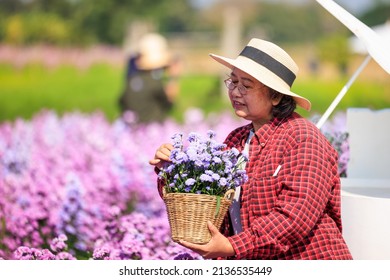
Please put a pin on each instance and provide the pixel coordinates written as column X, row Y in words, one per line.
column 290, row 206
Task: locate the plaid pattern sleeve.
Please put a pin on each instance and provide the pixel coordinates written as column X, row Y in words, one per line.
column 294, row 214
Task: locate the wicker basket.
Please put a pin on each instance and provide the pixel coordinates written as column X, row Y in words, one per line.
column 188, row 214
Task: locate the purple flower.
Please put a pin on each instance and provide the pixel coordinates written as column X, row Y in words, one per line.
column 102, row 253
column 26, row 253
column 223, row 181
column 190, row 182
column 215, row 177
column 183, row 256
column 47, row 255
column 65, row 256
column 192, row 153
column 178, row 157
column 23, row 253
column 177, row 140
column 211, row 134
column 206, row 178
column 58, row 244
column 194, row 137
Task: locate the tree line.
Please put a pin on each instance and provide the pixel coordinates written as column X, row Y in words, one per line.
column 84, row 22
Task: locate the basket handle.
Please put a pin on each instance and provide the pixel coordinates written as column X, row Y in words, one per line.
column 229, row 194
column 164, row 192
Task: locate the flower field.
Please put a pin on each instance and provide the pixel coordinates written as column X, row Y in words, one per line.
column 80, row 187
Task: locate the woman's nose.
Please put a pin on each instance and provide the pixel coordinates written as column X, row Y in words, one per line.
column 235, row 92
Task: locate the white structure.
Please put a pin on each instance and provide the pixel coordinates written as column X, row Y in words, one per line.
column 375, row 45
column 383, row 31
column 366, row 190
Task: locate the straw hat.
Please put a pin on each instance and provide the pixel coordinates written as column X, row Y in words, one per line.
column 153, row 50
column 270, row 65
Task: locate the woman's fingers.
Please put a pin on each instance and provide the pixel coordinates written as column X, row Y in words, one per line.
column 162, row 154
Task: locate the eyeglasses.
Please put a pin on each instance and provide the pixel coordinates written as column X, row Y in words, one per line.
column 241, row 88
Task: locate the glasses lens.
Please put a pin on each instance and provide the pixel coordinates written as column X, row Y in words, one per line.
column 229, row 84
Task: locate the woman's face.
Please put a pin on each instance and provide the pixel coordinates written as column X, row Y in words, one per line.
column 256, row 104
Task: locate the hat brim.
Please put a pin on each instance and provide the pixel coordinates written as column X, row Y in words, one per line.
column 263, row 75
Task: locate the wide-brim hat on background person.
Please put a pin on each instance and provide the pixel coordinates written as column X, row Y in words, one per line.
column 153, row 51
column 269, row 64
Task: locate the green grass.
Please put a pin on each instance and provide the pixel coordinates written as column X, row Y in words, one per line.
column 24, row 92
column 374, row 95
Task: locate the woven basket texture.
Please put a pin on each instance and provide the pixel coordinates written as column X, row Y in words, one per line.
column 188, row 214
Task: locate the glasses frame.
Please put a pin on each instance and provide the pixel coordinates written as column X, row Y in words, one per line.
column 241, row 88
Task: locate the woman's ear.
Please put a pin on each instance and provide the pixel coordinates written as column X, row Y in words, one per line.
column 275, row 97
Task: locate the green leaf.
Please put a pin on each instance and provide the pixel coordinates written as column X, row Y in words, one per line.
column 218, row 206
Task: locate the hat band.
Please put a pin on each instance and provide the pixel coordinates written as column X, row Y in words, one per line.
column 270, row 63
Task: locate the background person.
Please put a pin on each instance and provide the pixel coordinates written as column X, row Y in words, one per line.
column 151, row 80
column 290, row 206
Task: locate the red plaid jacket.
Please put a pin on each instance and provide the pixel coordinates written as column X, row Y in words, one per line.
column 295, row 214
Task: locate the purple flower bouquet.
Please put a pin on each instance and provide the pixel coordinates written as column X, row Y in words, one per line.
column 199, row 185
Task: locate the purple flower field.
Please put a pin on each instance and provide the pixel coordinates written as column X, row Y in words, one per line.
column 80, row 187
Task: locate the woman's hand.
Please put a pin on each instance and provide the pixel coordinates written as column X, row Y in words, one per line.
column 162, row 154
column 218, row 246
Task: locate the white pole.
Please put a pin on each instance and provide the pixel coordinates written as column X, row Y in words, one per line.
column 343, row 91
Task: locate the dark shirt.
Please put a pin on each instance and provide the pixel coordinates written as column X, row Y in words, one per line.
column 145, row 95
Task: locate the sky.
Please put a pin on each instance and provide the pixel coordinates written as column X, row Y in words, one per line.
column 355, row 7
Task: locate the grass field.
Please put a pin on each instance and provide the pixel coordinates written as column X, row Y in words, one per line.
column 26, row 91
